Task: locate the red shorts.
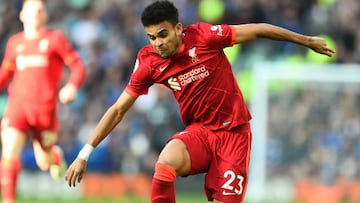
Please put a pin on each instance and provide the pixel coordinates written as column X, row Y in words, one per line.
column 38, row 121
column 224, row 157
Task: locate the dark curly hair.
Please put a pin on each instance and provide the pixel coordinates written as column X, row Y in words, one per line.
column 160, row 11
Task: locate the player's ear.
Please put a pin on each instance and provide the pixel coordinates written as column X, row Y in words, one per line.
column 21, row 15
column 178, row 29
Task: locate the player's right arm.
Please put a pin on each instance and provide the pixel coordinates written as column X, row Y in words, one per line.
column 252, row 31
column 107, row 123
column 8, row 65
column 5, row 75
column 112, row 117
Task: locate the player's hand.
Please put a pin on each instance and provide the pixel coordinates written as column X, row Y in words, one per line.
column 75, row 172
column 67, row 93
column 318, row 44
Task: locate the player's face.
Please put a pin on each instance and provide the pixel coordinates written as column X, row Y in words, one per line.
column 33, row 13
column 165, row 38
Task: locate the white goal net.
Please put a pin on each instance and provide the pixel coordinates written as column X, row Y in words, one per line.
column 306, row 133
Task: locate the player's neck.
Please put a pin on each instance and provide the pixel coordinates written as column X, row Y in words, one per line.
column 180, row 48
column 33, row 33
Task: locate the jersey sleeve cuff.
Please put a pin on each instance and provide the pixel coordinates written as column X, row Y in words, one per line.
column 132, row 93
column 233, row 36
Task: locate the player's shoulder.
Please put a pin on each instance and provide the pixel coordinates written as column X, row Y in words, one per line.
column 198, row 32
column 57, row 36
column 198, row 27
column 55, row 33
column 147, row 53
column 16, row 37
column 148, row 57
column 203, row 27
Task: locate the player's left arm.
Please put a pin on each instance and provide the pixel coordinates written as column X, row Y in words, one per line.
column 252, row 31
column 76, row 66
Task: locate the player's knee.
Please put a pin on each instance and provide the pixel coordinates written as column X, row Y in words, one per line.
column 13, row 142
column 10, row 163
column 175, row 154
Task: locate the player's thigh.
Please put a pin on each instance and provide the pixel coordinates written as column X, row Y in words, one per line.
column 227, row 177
column 188, row 151
column 45, row 127
column 176, row 155
column 45, row 130
column 13, row 141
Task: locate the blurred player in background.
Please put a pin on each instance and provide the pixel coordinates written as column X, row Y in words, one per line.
column 34, row 62
column 191, row 62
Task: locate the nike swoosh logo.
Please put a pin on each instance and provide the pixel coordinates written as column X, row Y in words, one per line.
column 163, row 68
column 228, row 193
column 183, row 132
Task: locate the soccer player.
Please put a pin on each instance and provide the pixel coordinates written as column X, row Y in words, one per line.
column 33, row 64
column 190, row 61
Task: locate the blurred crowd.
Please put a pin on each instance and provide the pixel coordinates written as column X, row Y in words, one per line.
column 322, row 140
column 108, row 34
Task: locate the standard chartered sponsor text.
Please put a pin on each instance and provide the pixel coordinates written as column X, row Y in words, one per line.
column 193, row 75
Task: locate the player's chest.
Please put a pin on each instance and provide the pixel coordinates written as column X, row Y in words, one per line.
column 40, row 46
column 193, row 62
column 189, row 70
column 33, row 53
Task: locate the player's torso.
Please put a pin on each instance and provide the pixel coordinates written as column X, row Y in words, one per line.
column 193, row 71
column 32, row 54
column 38, row 67
column 203, row 84
column 200, row 77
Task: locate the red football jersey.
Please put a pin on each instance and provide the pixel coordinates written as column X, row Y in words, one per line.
column 37, row 67
column 199, row 75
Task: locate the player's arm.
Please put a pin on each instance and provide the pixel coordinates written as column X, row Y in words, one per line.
column 8, row 65
column 252, row 31
column 69, row 91
column 5, row 75
column 111, row 118
column 72, row 59
column 107, row 123
column 73, row 62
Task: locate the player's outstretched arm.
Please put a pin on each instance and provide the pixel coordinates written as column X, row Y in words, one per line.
column 107, row 123
column 251, row 31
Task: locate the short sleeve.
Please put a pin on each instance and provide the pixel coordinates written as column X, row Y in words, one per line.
column 140, row 80
column 63, row 48
column 216, row 36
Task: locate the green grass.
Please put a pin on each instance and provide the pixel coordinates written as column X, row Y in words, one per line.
column 185, row 198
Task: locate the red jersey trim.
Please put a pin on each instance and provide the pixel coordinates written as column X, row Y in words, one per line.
column 233, row 36
column 132, row 93
column 9, row 66
column 69, row 59
column 181, row 49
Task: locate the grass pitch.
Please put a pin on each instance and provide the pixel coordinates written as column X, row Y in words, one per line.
column 183, row 198
column 180, row 198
